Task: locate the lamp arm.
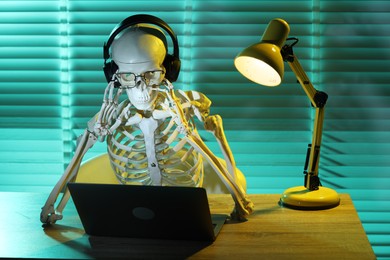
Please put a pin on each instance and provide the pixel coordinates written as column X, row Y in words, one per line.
column 318, row 100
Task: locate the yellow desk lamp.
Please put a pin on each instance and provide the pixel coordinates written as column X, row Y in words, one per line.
column 262, row 63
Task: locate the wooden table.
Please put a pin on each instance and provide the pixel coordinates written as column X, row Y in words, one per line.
column 272, row 232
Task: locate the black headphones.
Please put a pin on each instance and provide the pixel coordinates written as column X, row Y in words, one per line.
column 171, row 61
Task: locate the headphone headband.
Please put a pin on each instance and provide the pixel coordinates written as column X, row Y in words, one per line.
column 171, row 62
column 137, row 19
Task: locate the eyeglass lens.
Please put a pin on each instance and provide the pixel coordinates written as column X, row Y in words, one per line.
column 149, row 77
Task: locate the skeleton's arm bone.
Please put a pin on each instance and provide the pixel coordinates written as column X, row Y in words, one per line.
column 214, row 125
column 49, row 213
column 244, row 206
column 236, row 186
column 97, row 126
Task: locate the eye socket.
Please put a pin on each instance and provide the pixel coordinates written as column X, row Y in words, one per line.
column 151, row 75
column 128, row 76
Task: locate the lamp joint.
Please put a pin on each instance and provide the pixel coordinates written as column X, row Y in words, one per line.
column 287, row 53
column 287, row 50
column 320, row 98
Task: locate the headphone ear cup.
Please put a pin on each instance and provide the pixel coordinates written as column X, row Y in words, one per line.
column 109, row 69
column 172, row 67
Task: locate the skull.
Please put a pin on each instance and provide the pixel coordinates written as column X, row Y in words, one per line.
column 139, row 53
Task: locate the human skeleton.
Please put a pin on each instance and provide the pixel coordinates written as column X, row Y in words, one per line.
column 151, row 136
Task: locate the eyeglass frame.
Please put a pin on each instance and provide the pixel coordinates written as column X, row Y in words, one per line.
column 142, row 75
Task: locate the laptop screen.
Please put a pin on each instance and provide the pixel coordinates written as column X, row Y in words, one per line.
column 144, row 211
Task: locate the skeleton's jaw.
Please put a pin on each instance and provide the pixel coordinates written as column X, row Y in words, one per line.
column 147, row 105
column 142, row 99
column 143, row 105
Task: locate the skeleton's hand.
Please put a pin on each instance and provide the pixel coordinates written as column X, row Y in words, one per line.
column 49, row 216
column 107, row 111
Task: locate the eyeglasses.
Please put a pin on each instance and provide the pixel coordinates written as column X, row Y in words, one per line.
column 128, row 79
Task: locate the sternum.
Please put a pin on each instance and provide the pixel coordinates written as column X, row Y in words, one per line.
column 148, row 127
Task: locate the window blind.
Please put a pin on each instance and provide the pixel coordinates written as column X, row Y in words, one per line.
column 52, row 83
column 31, row 150
column 354, row 65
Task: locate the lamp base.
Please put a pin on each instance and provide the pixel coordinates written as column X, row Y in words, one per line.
column 302, row 198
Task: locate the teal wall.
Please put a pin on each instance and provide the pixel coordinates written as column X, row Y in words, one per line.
column 51, row 83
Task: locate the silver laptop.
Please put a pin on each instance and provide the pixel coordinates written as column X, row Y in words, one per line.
column 145, row 211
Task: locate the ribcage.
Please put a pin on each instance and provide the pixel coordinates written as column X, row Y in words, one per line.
column 178, row 162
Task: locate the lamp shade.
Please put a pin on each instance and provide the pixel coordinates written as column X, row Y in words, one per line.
column 262, row 62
